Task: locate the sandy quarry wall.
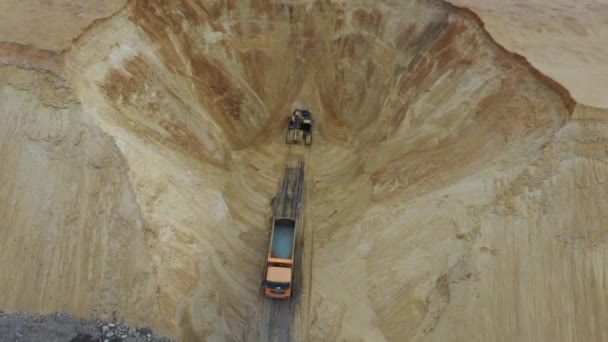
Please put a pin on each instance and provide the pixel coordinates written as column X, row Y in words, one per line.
column 542, row 246
column 71, row 230
column 421, row 178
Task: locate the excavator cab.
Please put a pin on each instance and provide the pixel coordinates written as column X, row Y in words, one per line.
column 306, row 127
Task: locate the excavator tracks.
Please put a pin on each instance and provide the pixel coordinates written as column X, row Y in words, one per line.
column 290, row 195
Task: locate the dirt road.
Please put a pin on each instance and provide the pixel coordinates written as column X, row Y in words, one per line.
column 276, row 320
column 276, row 317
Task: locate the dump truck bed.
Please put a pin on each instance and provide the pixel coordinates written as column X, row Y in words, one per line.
column 282, row 239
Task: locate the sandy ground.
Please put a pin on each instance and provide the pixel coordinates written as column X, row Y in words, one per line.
column 453, row 192
column 50, row 24
column 564, row 39
column 543, row 247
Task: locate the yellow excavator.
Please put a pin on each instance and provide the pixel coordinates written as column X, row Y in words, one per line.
column 300, row 127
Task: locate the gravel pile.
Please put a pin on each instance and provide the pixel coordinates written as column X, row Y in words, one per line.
column 62, row 327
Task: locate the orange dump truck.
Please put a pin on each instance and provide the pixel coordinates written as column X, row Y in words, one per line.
column 278, row 280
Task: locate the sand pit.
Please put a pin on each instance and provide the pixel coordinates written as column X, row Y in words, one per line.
column 438, row 194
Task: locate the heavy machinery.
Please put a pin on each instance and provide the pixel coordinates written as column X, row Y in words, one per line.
column 293, row 127
column 300, row 127
column 306, row 126
column 279, row 268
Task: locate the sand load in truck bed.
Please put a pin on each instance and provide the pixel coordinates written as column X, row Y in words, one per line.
column 282, row 239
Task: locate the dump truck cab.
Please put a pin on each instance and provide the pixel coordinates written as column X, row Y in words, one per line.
column 278, row 278
column 278, row 282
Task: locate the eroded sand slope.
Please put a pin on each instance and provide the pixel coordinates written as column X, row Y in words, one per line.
column 440, row 182
column 542, row 246
column 72, row 235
